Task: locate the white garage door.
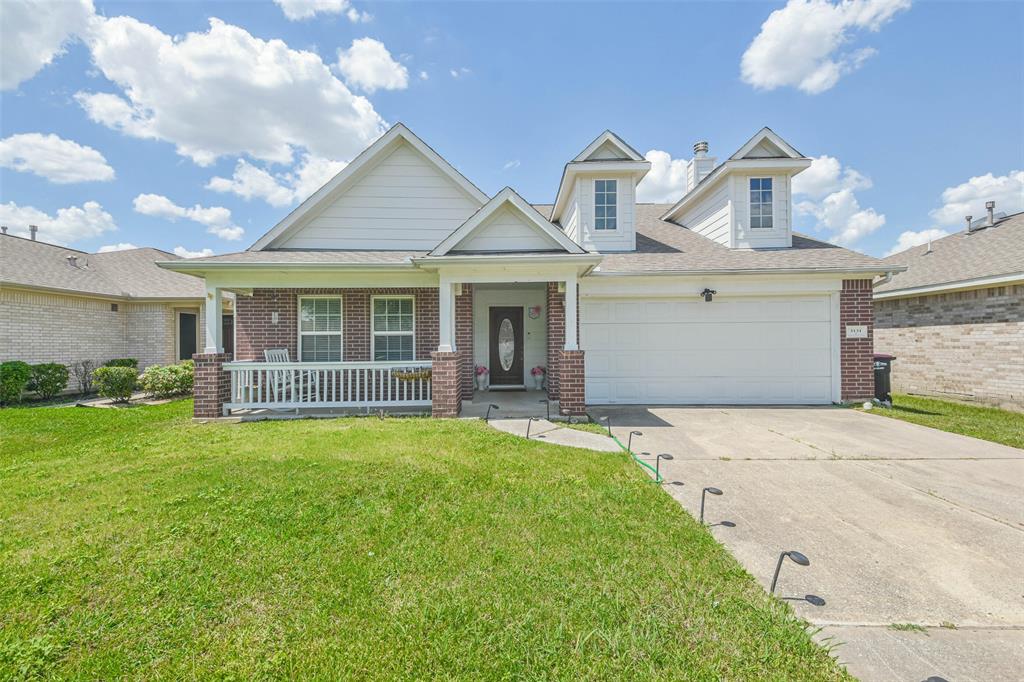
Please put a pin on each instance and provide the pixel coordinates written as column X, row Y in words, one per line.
column 771, row 350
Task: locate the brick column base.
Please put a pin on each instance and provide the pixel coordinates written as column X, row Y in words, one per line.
column 212, row 385
column 444, row 385
column 571, row 400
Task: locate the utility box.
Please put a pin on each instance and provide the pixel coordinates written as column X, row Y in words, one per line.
column 883, row 377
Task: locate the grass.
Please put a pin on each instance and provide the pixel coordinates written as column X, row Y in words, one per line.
column 908, row 627
column 589, row 427
column 987, row 423
column 134, row 543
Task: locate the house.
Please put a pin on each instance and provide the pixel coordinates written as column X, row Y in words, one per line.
column 390, row 283
column 955, row 318
column 62, row 305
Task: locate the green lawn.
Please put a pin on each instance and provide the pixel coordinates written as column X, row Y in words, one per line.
column 987, row 423
column 134, row 543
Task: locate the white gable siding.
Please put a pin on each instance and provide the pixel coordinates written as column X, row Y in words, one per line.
column 621, row 239
column 781, row 234
column 607, row 152
column 571, row 215
column 712, row 216
column 507, row 230
column 764, row 149
column 404, row 203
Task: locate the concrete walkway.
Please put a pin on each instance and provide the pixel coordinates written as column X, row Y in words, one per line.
column 557, row 434
column 903, row 525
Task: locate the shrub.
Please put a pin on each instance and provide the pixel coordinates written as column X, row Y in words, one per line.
column 83, row 374
column 165, row 381
column 14, row 376
column 122, row 362
column 48, row 379
column 116, row 383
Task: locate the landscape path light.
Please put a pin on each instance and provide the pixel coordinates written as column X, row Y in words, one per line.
column 529, row 424
column 490, row 407
column 703, row 494
column 607, row 422
column 629, row 443
column 796, row 557
column 657, row 465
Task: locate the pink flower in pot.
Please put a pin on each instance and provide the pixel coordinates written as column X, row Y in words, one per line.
column 481, row 377
column 538, row 376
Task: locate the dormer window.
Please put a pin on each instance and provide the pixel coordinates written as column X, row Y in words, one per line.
column 605, row 204
column 761, row 204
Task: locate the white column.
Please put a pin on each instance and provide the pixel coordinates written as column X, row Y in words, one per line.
column 214, row 324
column 446, row 317
column 571, row 341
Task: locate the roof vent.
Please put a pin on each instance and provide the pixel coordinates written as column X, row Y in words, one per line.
column 32, row 229
column 73, row 260
column 700, row 149
column 990, row 206
column 3, row 229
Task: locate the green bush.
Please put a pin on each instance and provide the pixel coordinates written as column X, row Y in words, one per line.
column 48, row 379
column 116, row 383
column 165, row 381
column 14, row 376
column 122, row 362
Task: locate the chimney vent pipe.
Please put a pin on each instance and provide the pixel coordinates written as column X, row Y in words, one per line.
column 700, row 149
column 3, row 229
column 990, row 206
column 968, row 218
column 32, row 229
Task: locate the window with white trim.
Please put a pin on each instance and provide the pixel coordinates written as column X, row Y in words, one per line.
column 393, row 329
column 606, row 204
column 320, row 329
column 761, row 217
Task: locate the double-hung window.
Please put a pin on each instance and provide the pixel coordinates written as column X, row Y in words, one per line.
column 761, row 203
column 393, row 329
column 320, row 329
column 605, row 204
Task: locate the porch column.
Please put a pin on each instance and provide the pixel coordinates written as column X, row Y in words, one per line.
column 571, row 301
column 571, row 379
column 214, row 323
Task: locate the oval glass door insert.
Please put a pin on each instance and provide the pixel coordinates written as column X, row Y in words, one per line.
column 506, row 344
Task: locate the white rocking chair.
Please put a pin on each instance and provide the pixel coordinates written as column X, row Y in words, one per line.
column 282, row 381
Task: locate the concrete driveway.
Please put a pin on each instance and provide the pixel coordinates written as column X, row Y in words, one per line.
column 903, row 525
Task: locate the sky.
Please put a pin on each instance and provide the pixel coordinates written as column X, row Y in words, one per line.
column 195, row 127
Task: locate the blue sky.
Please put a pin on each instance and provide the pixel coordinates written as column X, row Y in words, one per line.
column 166, row 130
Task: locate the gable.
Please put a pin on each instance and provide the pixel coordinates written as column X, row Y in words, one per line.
column 765, row 149
column 506, row 230
column 608, row 147
column 609, row 152
column 403, row 201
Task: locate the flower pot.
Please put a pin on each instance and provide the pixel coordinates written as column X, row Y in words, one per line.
column 481, row 382
column 538, row 381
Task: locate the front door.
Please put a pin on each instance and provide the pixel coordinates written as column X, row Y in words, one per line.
column 506, row 332
column 186, row 335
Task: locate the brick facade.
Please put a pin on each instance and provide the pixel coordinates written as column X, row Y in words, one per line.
column 255, row 330
column 965, row 345
column 464, row 339
column 856, row 355
column 571, row 400
column 212, row 385
column 445, row 385
column 556, row 337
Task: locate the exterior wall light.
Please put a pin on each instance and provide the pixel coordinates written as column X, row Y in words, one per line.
column 707, row 294
column 704, row 494
column 796, row 557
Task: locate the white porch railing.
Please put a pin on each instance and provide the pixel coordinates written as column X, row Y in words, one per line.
column 294, row 385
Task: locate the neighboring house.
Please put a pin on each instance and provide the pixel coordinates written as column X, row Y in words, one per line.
column 62, row 305
column 400, row 264
column 955, row 318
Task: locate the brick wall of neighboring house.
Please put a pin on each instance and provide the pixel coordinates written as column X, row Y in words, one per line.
column 150, row 332
column 212, row 385
column 255, row 330
column 856, row 355
column 464, row 340
column 965, row 344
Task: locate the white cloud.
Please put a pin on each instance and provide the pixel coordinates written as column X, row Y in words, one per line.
column 223, row 92
column 831, row 200
column 182, row 252
column 54, row 158
column 910, row 239
column 120, row 246
column 805, row 44
column 297, row 10
column 969, row 198
column 33, row 33
column 250, row 181
column 69, row 225
column 665, row 182
column 217, row 219
column 369, row 66
column 459, row 72
column 509, row 165
column 424, row 76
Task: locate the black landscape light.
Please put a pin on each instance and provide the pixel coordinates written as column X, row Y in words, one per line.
column 529, row 424
column 703, row 494
column 629, row 443
column 707, row 294
column 607, row 422
column 490, row 407
column 657, row 465
column 796, row 557
column 547, row 407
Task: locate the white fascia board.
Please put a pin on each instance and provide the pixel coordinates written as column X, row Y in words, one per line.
column 354, row 170
column 771, row 136
column 609, row 136
column 506, row 196
column 433, row 262
column 859, row 272
column 789, row 166
column 681, row 286
column 977, row 283
column 236, row 280
column 190, row 268
column 573, row 169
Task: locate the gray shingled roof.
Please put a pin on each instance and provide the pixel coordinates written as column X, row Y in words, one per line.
column 122, row 274
column 989, row 252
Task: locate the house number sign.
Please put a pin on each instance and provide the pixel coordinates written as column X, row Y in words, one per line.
column 856, row 331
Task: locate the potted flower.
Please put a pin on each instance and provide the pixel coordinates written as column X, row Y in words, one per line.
column 481, row 377
column 538, row 377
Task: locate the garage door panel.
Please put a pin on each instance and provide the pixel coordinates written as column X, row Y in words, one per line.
column 751, row 350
